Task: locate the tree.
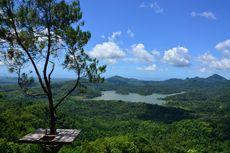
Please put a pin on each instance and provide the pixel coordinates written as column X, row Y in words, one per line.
column 38, row 32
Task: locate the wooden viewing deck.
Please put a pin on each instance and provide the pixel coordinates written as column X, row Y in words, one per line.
column 41, row 136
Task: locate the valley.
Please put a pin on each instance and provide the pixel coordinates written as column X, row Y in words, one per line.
column 186, row 123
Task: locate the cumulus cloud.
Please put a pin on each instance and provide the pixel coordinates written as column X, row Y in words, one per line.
column 114, row 35
column 1, row 63
column 206, row 58
column 141, row 53
column 154, row 6
column 209, row 62
column 148, row 68
column 205, row 14
column 109, row 51
column 224, row 47
column 177, row 56
column 130, row 33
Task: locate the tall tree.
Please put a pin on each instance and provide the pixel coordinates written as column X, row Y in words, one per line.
column 36, row 34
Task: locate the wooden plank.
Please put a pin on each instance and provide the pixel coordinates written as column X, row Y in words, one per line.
column 64, row 136
column 33, row 137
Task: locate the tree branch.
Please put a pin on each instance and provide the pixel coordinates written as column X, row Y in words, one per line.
column 25, row 90
column 75, row 85
column 49, row 76
column 47, row 81
column 69, row 92
column 28, row 54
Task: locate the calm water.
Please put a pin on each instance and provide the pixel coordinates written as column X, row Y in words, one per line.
column 133, row 97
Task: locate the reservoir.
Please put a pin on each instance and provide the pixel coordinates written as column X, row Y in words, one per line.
column 134, row 97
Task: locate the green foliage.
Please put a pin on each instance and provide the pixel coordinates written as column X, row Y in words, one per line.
column 10, row 147
column 43, row 29
column 113, row 144
column 196, row 121
column 37, row 32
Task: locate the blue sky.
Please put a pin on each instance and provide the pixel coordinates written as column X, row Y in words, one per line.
column 158, row 39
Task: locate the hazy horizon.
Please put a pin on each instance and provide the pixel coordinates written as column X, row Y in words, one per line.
column 154, row 79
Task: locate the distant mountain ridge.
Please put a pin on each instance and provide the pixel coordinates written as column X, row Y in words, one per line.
column 212, row 78
column 216, row 77
column 126, row 85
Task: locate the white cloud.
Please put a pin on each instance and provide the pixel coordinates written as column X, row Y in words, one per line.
column 1, row 63
column 156, row 53
column 109, row 51
column 209, row 62
column 110, row 61
column 206, row 58
column 222, row 64
column 142, row 54
column 131, row 59
column 114, row 35
column 130, row 33
column 177, row 56
column 154, row 6
column 224, row 47
column 203, row 69
column 148, row 68
column 206, row 14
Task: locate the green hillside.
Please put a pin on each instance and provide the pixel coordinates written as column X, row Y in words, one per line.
column 125, row 85
column 195, row 122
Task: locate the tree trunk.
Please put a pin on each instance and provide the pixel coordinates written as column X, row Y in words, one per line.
column 52, row 122
column 52, row 117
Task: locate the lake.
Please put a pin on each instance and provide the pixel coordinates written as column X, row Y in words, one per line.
column 134, row 97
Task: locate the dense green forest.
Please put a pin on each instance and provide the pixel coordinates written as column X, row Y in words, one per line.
column 195, row 122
